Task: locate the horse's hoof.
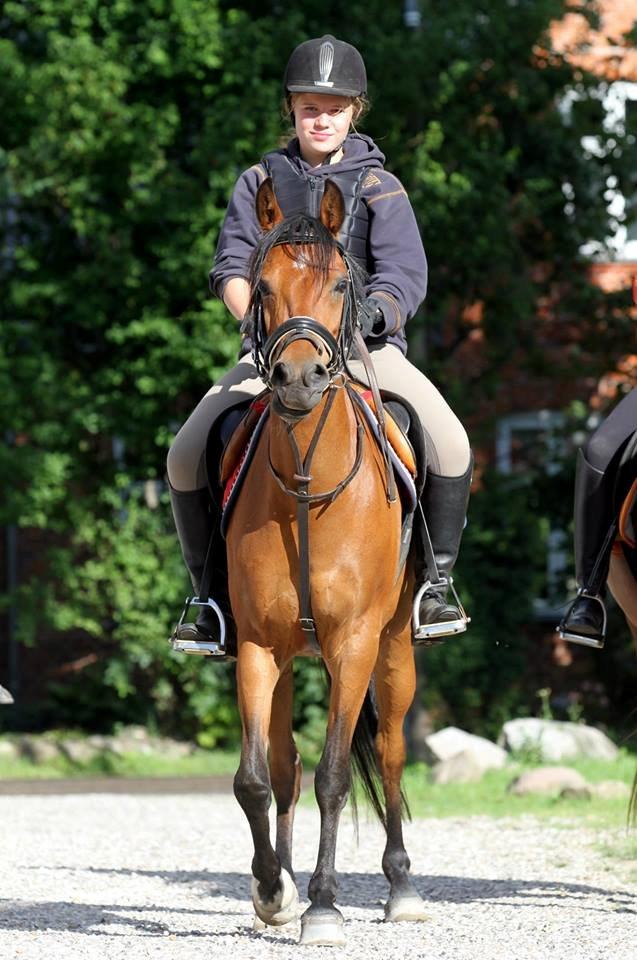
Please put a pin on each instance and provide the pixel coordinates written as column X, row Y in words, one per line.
column 322, row 927
column 284, row 906
column 258, row 925
column 410, row 907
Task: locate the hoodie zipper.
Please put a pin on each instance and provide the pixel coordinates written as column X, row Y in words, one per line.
column 314, row 204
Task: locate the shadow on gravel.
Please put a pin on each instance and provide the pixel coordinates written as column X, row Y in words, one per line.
column 368, row 891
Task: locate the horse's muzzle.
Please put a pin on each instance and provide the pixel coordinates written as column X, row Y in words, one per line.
column 297, row 388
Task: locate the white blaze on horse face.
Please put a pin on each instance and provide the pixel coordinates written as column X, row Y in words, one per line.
column 299, row 265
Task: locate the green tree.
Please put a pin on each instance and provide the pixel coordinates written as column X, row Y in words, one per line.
column 126, row 125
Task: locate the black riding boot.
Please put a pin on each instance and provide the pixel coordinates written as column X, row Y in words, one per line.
column 196, row 521
column 444, row 502
column 585, row 621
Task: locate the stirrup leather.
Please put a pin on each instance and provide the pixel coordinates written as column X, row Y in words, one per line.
column 582, row 638
column 203, row 648
column 431, row 631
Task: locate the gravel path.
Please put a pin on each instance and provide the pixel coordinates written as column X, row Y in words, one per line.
column 150, row 876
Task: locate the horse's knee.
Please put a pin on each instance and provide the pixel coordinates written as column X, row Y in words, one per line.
column 253, row 791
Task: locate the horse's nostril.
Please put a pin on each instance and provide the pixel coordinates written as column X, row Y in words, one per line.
column 280, row 374
column 315, row 375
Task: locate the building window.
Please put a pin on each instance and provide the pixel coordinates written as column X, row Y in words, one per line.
column 526, row 443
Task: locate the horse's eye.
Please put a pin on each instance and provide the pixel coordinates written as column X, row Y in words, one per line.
column 264, row 288
column 340, row 286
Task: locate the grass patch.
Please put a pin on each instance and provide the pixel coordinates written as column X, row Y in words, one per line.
column 489, row 797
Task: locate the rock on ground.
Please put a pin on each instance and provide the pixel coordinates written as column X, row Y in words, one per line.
column 167, row 878
column 557, row 740
column 450, row 741
column 548, row 780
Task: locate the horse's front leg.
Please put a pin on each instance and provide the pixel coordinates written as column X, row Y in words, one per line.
column 285, row 766
column 274, row 893
column 395, row 688
column 322, row 922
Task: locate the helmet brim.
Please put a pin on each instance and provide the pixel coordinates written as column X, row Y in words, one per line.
column 336, row 91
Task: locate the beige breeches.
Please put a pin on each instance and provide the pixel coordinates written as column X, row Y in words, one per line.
column 447, row 443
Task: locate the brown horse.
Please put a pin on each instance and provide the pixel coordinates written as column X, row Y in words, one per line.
column 315, row 454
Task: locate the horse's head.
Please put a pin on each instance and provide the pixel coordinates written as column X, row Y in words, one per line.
column 303, row 301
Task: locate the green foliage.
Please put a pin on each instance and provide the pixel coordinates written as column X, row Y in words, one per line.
column 126, row 125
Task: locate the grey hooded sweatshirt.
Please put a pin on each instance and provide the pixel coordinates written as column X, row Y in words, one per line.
column 398, row 275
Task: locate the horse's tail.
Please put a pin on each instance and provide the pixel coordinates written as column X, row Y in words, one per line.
column 365, row 762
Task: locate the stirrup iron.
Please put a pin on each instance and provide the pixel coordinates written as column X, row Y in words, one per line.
column 432, row 631
column 582, row 638
column 203, row 648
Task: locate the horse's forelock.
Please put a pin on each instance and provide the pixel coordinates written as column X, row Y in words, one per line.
column 304, row 240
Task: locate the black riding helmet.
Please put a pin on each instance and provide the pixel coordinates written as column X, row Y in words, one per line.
column 326, row 65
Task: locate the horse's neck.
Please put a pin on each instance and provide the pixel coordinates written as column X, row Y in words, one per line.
column 336, row 447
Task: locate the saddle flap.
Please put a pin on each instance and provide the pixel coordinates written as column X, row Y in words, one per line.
column 397, row 438
column 628, row 517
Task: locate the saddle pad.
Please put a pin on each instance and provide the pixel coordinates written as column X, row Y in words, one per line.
column 235, row 479
column 240, row 437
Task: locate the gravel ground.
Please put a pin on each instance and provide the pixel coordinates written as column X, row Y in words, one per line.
column 136, row 877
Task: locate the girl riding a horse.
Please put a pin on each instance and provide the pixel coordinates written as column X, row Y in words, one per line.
column 325, row 86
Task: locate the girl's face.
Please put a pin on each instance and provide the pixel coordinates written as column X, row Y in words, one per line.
column 321, row 122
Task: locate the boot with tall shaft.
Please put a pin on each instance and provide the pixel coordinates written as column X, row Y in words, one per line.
column 197, row 527
column 444, row 505
column 585, row 620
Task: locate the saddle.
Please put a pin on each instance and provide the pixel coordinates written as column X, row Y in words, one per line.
column 241, row 428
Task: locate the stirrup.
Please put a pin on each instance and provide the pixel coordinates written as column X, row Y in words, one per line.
column 582, row 638
column 432, row 631
column 203, row 648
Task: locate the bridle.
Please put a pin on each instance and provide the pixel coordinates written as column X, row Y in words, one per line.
column 266, row 350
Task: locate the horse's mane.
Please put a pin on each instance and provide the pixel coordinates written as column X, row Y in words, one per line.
column 304, row 240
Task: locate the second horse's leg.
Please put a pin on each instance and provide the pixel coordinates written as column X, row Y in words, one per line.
column 273, row 891
column 285, row 767
column 395, row 687
column 322, row 923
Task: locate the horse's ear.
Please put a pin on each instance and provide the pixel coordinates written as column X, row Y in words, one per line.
column 332, row 207
column 268, row 210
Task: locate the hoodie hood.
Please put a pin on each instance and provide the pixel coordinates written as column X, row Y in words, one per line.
column 358, row 151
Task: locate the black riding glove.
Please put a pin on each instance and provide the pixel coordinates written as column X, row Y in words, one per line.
column 371, row 318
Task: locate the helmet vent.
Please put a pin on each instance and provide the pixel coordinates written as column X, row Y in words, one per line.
column 326, row 61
